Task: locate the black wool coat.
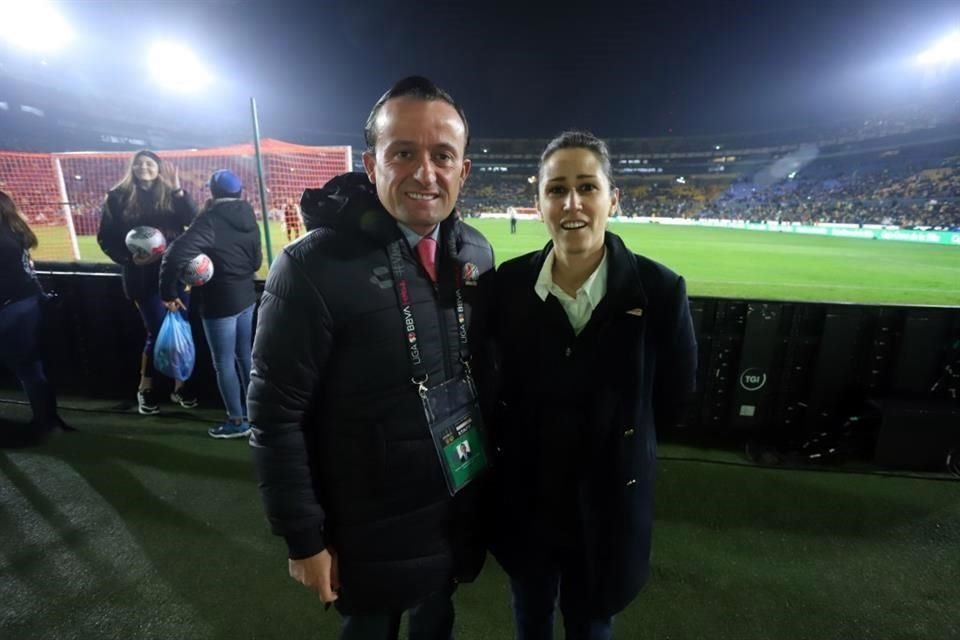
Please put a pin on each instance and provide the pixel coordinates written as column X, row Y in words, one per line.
column 574, row 428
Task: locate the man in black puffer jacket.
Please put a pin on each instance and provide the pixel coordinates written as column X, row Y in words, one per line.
column 349, row 472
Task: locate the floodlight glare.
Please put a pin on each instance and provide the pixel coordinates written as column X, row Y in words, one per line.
column 175, row 67
column 34, row 26
column 945, row 51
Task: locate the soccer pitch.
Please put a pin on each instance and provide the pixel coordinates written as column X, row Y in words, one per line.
column 727, row 263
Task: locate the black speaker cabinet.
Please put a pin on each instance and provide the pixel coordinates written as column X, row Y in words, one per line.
column 917, row 435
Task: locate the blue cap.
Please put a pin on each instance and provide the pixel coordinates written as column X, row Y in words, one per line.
column 225, row 184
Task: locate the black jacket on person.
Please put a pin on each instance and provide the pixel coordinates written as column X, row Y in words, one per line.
column 340, row 440
column 17, row 279
column 140, row 282
column 575, row 426
column 227, row 231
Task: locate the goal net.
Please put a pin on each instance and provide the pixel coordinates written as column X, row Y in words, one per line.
column 61, row 194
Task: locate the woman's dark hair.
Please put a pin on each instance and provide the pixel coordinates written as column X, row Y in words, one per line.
column 163, row 192
column 579, row 140
column 11, row 217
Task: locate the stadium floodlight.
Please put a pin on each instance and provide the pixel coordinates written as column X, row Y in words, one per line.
column 175, row 67
column 944, row 51
column 34, row 26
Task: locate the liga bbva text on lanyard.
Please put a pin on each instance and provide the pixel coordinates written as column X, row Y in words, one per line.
column 451, row 408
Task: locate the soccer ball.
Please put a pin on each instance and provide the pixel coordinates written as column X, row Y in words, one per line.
column 147, row 243
column 198, row 271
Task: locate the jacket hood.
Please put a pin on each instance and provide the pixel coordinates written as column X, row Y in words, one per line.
column 328, row 205
column 235, row 212
column 349, row 201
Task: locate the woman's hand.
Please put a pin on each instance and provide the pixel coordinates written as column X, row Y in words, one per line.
column 173, row 305
column 142, row 260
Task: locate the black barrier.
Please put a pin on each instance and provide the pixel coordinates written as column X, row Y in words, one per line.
column 778, row 369
column 92, row 335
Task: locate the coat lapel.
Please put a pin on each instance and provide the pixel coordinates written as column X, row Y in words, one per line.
column 624, row 291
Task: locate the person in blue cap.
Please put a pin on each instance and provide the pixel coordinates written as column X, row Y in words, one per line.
column 226, row 230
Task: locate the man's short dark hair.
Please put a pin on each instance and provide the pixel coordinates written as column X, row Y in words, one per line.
column 415, row 87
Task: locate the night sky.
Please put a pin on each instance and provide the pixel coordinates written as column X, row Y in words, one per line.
column 619, row 69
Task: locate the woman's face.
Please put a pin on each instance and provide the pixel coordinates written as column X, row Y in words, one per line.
column 575, row 200
column 145, row 169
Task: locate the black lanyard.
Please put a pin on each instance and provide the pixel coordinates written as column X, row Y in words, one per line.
column 418, row 372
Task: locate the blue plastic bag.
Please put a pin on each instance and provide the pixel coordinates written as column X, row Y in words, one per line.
column 174, row 354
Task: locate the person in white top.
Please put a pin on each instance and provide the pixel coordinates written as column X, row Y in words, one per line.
column 596, row 348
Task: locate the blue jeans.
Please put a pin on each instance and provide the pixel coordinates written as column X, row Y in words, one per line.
column 231, row 342
column 535, row 599
column 152, row 312
column 19, row 352
column 432, row 619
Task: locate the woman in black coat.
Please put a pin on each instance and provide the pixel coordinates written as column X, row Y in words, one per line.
column 596, row 348
column 146, row 198
column 20, row 313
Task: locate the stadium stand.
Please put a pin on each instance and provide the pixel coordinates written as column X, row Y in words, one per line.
column 899, row 172
column 900, row 168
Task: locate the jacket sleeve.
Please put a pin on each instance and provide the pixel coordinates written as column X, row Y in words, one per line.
column 292, row 345
column 676, row 359
column 185, row 209
column 257, row 252
column 196, row 239
column 486, row 356
column 111, row 235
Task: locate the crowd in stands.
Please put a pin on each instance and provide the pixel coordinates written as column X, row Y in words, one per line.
column 906, row 188
column 903, row 194
column 491, row 192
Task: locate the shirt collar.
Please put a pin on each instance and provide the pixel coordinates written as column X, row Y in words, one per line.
column 594, row 288
column 413, row 237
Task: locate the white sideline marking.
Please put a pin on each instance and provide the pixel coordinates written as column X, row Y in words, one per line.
column 770, row 283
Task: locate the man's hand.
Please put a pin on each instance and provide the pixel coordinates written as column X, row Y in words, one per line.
column 318, row 573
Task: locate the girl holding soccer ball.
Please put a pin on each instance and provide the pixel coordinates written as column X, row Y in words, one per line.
column 149, row 195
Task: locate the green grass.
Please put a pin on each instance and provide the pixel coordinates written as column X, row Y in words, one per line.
column 732, row 263
column 143, row 527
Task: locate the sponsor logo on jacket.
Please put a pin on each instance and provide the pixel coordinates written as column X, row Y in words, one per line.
column 471, row 274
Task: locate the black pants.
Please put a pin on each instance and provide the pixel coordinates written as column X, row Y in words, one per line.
column 19, row 352
column 535, row 595
column 431, row 619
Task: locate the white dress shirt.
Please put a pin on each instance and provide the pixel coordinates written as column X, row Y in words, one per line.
column 578, row 308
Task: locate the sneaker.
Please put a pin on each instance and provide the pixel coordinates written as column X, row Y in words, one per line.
column 184, row 398
column 229, row 430
column 147, row 403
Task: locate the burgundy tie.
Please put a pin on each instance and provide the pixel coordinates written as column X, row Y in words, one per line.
column 427, row 250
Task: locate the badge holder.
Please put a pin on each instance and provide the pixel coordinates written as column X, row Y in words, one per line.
column 456, row 426
column 451, row 408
